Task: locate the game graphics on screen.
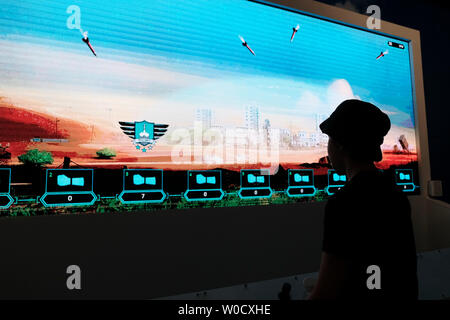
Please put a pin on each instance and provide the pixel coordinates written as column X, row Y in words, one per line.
column 102, row 111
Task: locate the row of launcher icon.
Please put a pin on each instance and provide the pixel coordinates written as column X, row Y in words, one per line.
column 251, row 178
column 63, row 180
column 146, row 186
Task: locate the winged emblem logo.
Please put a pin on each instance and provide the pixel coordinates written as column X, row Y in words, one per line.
column 143, row 133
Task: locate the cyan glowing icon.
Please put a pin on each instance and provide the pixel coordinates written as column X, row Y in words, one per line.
column 251, row 178
column 63, row 181
column 337, row 177
column 404, row 176
column 201, row 179
column 300, row 178
column 140, row 180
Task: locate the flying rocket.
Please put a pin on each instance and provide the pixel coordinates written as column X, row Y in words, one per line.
column 244, row 43
column 86, row 40
column 382, row 54
column 294, row 32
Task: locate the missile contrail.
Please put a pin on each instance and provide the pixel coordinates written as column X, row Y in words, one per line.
column 294, row 31
column 244, row 43
column 86, row 40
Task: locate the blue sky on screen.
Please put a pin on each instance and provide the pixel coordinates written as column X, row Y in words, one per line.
column 170, row 57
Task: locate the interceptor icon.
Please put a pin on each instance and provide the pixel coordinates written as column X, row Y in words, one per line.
column 245, row 44
column 86, row 40
column 382, row 54
column 294, row 31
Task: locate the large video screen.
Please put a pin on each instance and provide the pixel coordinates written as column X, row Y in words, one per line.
column 112, row 106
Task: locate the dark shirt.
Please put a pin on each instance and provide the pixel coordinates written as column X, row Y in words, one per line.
column 368, row 222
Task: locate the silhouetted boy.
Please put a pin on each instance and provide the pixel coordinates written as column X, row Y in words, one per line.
column 368, row 221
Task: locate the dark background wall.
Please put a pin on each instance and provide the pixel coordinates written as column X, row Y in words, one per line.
column 431, row 18
column 157, row 254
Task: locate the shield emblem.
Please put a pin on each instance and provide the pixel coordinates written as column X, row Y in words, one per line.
column 143, row 133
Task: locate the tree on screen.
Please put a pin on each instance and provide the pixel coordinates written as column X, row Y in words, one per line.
column 106, row 153
column 36, row 158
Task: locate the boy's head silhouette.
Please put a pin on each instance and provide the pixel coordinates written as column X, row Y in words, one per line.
column 356, row 130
